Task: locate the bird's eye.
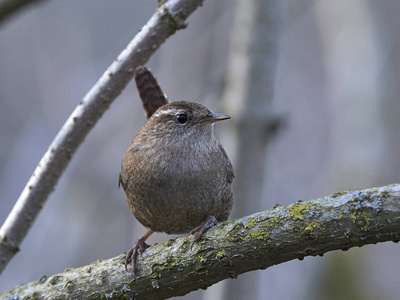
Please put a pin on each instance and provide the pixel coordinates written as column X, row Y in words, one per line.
column 182, row 118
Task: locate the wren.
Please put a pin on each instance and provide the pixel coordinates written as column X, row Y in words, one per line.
column 176, row 175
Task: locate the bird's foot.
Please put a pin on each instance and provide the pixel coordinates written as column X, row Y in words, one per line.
column 207, row 224
column 132, row 254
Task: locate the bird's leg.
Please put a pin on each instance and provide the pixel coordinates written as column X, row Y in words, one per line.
column 140, row 246
column 202, row 228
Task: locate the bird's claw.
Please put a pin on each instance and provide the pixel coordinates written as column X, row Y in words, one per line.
column 201, row 229
column 132, row 254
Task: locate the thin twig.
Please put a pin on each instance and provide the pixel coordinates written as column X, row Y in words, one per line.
column 166, row 20
column 305, row 228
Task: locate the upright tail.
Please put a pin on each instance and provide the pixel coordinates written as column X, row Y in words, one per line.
column 150, row 92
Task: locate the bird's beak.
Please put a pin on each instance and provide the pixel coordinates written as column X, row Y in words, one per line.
column 211, row 118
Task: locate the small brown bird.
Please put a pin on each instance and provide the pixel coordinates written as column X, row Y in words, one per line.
column 176, row 175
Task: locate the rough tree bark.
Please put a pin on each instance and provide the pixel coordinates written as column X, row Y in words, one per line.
column 169, row 17
column 340, row 221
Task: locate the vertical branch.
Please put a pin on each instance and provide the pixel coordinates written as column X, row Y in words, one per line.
column 249, row 92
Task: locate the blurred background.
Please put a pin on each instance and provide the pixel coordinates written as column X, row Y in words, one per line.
column 327, row 71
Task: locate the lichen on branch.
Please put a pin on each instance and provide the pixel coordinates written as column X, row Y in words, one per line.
column 340, row 221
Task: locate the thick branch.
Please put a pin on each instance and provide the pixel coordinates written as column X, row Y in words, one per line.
column 258, row 241
column 169, row 17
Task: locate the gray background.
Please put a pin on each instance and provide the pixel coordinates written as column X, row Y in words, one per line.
column 336, row 84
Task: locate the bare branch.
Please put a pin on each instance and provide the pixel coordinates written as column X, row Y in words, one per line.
column 258, row 241
column 166, row 20
column 8, row 7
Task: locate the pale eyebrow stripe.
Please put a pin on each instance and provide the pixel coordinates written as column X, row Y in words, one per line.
column 165, row 112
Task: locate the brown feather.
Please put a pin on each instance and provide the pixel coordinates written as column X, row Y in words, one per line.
column 150, row 92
